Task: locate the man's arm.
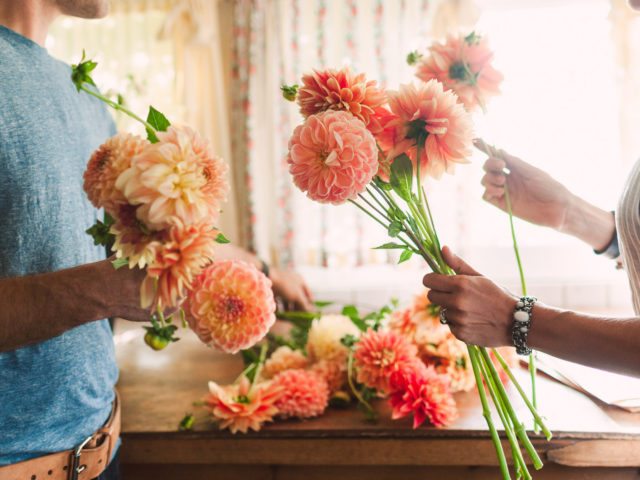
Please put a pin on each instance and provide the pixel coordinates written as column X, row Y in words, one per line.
column 39, row 307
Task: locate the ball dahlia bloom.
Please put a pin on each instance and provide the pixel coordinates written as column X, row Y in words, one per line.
column 429, row 117
column 463, row 64
column 177, row 177
column 231, row 305
column 240, row 407
column 323, row 342
column 105, row 166
column 341, row 90
column 177, row 260
column 332, row 157
column 304, row 394
column 423, row 393
column 283, row 358
column 380, row 353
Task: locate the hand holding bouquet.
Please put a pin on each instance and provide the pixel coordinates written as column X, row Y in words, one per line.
column 162, row 197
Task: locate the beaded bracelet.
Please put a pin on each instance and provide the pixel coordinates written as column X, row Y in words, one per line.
column 522, row 324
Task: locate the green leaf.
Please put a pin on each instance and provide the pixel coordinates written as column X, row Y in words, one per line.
column 249, row 356
column 406, row 255
column 390, row 246
column 402, row 176
column 350, row 311
column 395, row 228
column 158, row 121
column 322, row 304
column 349, row 340
column 118, row 263
column 220, row 238
column 382, row 184
column 187, row 422
column 100, row 232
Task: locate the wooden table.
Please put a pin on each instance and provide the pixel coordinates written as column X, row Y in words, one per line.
column 591, row 441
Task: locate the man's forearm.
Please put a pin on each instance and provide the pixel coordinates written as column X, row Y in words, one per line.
column 38, row 307
column 607, row 343
column 589, row 223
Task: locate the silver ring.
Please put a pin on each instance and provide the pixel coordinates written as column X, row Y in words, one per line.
column 443, row 316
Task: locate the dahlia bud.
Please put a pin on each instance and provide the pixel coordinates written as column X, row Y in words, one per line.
column 413, row 57
column 290, row 92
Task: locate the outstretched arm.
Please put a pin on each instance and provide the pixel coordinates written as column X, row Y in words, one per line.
column 480, row 312
column 540, row 199
column 39, row 307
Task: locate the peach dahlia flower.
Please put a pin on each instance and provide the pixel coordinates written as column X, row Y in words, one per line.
column 177, row 177
column 231, row 305
column 304, row 394
column 332, row 157
column 105, row 166
column 177, row 260
column 463, row 64
column 341, row 90
column 428, row 117
column 240, row 407
column 380, row 353
column 283, row 358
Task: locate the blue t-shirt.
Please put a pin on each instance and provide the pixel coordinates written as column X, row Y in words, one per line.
column 55, row 393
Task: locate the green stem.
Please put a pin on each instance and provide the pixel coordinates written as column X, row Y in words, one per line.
column 518, row 426
column 353, row 388
column 516, row 453
column 532, row 409
column 118, row 107
column 261, row 360
column 523, row 284
column 486, row 413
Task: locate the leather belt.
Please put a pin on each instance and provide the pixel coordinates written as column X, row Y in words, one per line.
column 87, row 461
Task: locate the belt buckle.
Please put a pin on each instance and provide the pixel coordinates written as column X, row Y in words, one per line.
column 76, row 468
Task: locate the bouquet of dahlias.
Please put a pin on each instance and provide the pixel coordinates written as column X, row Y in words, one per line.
column 162, row 197
column 326, row 360
column 372, row 148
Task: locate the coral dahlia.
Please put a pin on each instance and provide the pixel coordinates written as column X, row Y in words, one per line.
column 232, row 305
column 380, row 353
column 428, row 117
column 240, row 407
column 332, row 157
column 283, row 358
column 304, row 393
column 341, row 90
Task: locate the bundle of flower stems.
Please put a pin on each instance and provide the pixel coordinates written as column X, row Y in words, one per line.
column 401, row 207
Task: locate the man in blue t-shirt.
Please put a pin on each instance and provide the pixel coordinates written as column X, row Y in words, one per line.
column 57, row 364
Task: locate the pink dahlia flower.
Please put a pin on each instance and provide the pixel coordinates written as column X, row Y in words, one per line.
column 177, row 177
column 332, row 157
column 283, row 358
column 105, row 165
column 423, row 393
column 231, row 305
column 463, row 64
column 177, row 260
column 428, row 117
column 304, row 394
column 341, row 90
column 240, row 407
column 380, row 353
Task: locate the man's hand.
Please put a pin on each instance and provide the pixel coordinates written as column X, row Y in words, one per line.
column 478, row 311
column 121, row 293
column 292, row 289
